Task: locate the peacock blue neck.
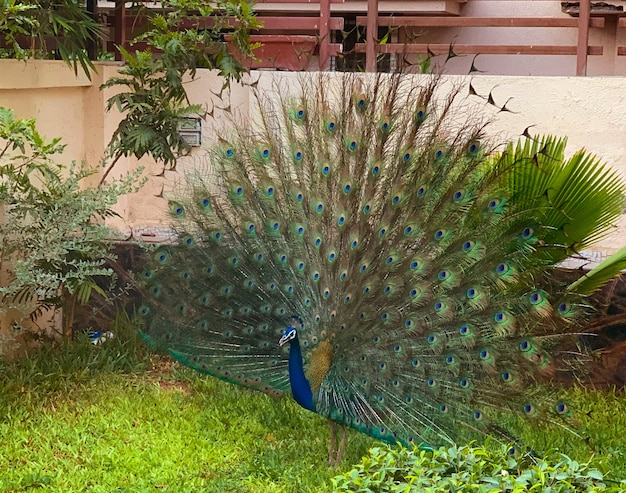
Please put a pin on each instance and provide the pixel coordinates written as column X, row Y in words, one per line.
column 300, row 387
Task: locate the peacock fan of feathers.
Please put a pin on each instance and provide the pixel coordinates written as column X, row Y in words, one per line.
column 406, row 267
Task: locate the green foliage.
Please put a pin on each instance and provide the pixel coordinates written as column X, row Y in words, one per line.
column 52, row 243
column 47, row 29
column 179, row 42
column 484, row 469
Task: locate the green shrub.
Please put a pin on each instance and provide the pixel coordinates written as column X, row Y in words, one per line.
column 485, row 469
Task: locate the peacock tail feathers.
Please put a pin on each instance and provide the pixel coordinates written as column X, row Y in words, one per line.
column 415, row 259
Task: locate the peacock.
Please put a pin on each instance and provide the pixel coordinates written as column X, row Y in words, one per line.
column 366, row 246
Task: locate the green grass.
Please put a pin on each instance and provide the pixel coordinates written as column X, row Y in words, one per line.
column 102, row 419
column 92, row 429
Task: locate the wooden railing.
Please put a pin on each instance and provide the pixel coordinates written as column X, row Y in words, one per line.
column 371, row 47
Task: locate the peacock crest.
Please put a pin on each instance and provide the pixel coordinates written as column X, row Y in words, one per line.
column 408, row 263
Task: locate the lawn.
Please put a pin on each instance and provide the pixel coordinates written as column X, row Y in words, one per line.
column 114, row 419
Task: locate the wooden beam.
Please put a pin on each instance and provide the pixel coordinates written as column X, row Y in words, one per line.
column 412, row 21
column 282, row 23
column 119, row 34
column 583, row 37
column 371, row 35
column 324, row 33
column 467, row 49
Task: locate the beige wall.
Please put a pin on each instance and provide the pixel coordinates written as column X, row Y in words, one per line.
column 591, row 111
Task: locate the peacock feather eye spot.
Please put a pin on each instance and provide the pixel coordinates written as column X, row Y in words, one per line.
column 366, row 290
column 472, row 293
column 341, row 220
column 500, row 317
column 317, row 319
column 300, row 113
column 251, row 228
column 431, row 382
column 375, row 170
column 387, row 289
column 239, row 191
column 413, row 293
column 484, row 354
column 320, row 207
column 432, row 339
column 347, row 299
column 525, row 345
column 478, row 416
column 300, row 230
column 438, row 154
column 218, row 235
column 316, row 276
column 382, row 365
column 464, row 330
column 331, row 126
column 507, row 376
column 395, row 382
column 270, row 190
column 406, row 156
column 331, row 256
column 408, row 230
column 561, row 408
column 326, row 169
column 354, row 244
column 502, row 268
column 299, row 197
column 536, row 298
column 464, row 383
column 459, row 194
column 265, row 152
column 439, row 234
column 409, row 324
column 375, row 339
column 352, row 145
column 421, row 191
column 493, row 203
column 385, row 126
column 443, row 275
column 438, row 306
column 468, row 246
column 206, row 203
column 443, row 408
column 229, row 152
column 343, row 276
column 527, row 232
column 382, row 232
column 298, row 155
column 384, row 316
column 318, row 242
column 276, row 226
column 450, row 360
column 347, row 187
column 260, row 256
column 529, row 409
column 415, row 363
column 397, row 348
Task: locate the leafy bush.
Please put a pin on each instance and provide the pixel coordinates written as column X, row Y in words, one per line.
column 52, row 239
column 485, row 469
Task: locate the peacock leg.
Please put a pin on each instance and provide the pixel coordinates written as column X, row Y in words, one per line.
column 333, row 442
column 342, row 444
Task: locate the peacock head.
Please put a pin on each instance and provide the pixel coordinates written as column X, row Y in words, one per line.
column 288, row 335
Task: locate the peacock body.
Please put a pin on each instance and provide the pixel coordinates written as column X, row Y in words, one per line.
column 363, row 247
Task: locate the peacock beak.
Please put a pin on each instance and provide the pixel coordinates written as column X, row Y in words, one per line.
column 289, row 334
